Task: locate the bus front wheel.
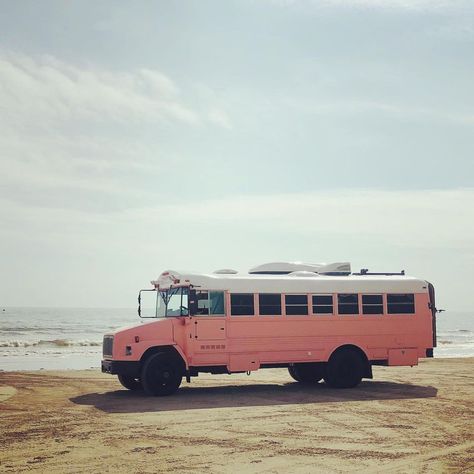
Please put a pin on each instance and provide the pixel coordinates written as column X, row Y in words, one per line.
column 344, row 369
column 131, row 383
column 161, row 375
column 306, row 373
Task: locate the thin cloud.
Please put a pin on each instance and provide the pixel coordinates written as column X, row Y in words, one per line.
column 48, row 89
column 398, row 111
column 414, row 5
column 76, row 128
column 403, row 216
column 219, row 117
column 393, row 4
column 430, row 218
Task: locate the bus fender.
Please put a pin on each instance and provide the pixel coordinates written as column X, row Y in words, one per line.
column 171, row 348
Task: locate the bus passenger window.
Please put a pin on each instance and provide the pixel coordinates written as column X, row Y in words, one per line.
column 372, row 304
column 296, row 305
column 216, row 299
column 202, row 303
column 241, row 304
column 322, row 304
column 348, row 303
column 401, row 304
column 270, row 304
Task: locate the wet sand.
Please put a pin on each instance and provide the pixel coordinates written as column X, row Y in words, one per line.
column 418, row 419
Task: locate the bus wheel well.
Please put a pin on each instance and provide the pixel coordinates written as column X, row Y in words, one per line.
column 367, row 367
column 164, row 350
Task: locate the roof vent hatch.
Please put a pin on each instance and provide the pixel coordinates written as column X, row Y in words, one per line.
column 284, row 268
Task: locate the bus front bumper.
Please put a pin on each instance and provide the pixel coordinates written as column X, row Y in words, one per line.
column 122, row 367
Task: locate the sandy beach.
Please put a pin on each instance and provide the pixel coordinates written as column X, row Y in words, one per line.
column 406, row 420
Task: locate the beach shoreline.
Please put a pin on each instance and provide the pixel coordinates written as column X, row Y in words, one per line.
column 405, row 420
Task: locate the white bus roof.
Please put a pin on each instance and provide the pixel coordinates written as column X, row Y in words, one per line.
column 299, row 281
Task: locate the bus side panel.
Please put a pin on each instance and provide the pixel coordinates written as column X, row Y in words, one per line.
column 243, row 362
column 403, row 357
column 313, row 338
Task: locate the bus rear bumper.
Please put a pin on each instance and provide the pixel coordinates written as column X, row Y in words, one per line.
column 122, row 367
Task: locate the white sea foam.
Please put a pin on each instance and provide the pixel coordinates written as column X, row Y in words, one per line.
column 54, row 342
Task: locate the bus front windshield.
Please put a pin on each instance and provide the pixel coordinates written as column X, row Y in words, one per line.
column 172, row 302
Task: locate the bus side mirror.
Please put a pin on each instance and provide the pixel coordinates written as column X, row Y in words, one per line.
column 192, row 302
column 147, row 303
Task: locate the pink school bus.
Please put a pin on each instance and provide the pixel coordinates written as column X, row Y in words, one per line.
column 319, row 321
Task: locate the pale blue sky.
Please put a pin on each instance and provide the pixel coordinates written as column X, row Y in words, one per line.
column 153, row 135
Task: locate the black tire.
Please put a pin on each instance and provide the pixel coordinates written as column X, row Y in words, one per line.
column 292, row 372
column 344, row 369
column 306, row 373
column 161, row 374
column 131, row 383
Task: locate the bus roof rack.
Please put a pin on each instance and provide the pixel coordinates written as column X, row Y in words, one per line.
column 365, row 271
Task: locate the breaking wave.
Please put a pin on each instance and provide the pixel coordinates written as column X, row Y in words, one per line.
column 53, row 342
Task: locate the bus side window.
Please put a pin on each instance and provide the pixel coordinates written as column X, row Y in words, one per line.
column 322, row 304
column 202, row 303
column 241, row 304
column 296, row 305
column 216, row 300
column 401, row 304
column 372, row 304
column 348, row 303
column 269, row 304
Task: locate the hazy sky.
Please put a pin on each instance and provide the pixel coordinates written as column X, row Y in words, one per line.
column 138, row 137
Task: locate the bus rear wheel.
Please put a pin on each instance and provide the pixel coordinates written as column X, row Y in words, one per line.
column 306, row 373
column 131, row 383
column 161, row 375
column 344, row 369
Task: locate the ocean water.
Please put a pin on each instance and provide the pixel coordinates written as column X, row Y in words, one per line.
column 57, row 338
column 71, row 338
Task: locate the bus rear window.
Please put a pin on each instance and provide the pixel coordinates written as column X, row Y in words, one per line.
column 401, row 304
column 241, row 304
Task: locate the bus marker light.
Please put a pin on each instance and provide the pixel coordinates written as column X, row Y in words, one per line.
column 137, row 339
